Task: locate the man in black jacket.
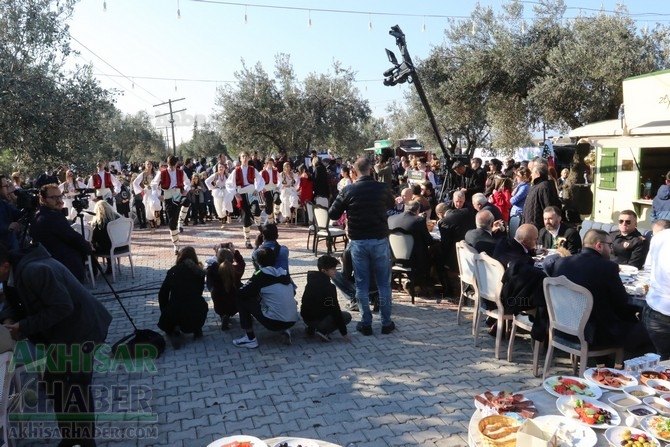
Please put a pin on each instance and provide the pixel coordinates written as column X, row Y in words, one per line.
column 628, row 244
column 556, row 234
column 543, row 193
column 366, row 202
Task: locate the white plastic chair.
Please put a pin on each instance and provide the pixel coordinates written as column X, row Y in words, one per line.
column 119, row 231
column 569, row 306
column 88, row 235
column 311, row 230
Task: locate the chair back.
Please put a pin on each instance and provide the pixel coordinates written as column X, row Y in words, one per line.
column 309, row 206
column 568, row 305
column 402, row 244
column 119, row 231
column 321, row 219
column 489, row 273
column 465, row 255
column 88, row 231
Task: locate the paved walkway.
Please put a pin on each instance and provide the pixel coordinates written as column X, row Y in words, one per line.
column 412, row 387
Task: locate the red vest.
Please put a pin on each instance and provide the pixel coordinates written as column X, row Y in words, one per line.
column 165, row 179
column 251, row 176
column 266, row 176
column 97, row 181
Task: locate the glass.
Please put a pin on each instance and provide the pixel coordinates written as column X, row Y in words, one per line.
column 55, row 197
column 627, row 222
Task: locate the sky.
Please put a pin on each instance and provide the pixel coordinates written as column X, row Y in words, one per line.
column 142, row 49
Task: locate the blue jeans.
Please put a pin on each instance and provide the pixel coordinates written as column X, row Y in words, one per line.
column 347, row 287
column 372, row 256
column 658, row 327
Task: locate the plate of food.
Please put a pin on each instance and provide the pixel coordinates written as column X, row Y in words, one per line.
column 657, row 426
column 628, row 270
column 296, row 442
column 588, row 411
column 569, row 432
column 568, row 386
column 505, row 403
column 623, row 435
column 609, row 378
column 238, row 441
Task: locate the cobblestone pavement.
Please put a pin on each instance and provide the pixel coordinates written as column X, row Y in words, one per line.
column 412, row 387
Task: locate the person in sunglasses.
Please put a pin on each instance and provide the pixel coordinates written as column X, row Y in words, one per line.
column 629, row 246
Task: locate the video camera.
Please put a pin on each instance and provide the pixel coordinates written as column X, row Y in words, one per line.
column 80, row 201
column 27, row 200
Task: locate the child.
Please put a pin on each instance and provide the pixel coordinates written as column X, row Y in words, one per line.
column 320, row 309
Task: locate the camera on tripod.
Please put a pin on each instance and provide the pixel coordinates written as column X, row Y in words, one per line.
column 27, row 200
column 80, row 201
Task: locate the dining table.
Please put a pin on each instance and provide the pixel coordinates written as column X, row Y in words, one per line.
column 546, row 405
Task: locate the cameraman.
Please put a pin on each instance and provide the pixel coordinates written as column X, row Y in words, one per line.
column 52, row 229
column 9, row 216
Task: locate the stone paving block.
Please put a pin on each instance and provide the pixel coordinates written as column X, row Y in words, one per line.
column 181, row 436
column 175, row 417
column 377, row 433
column 311, row 422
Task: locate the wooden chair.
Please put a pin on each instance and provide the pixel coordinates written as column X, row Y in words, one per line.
column 402, row 244
column 465, row 255
column 120, row 231
column 325, row 231
column 522, row 322
column 569, row 306
column 488, row 275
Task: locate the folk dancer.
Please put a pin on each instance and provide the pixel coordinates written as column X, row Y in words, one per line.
column 105, row 184
column 223, row 200
column 270, row 190
column 245, row 182
column 150, row 195
column 289, row 182
column 70, row 188
column 175, row 184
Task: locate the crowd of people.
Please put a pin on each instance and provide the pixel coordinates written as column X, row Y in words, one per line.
column 511, row 211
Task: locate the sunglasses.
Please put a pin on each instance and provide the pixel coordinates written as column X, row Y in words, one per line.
column 627, row 222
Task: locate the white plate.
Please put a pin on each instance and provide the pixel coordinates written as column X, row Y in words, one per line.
column 628, row 269
column 295, row 442
column 486, row 410
column 614, row 435
column 566, row 405
column 570, row 433
column 596, row 391
column 230, row 440
column 588, row 375
column 647, row 422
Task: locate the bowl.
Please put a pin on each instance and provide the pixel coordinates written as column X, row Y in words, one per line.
column 639, row 391
column 661, row 406
column 660, row 386
column 666, row 396
column 622, row 401
column 499, row 431
column 646, row 375
column 640, row 411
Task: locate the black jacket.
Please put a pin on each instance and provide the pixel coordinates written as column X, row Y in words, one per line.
column 542, row 193
column 366, row 203
column 630, row 249
column 180, row 298
column 481, row 240
column 508, row 250
column 573, row 241
column 416, row 226
column 319, row 300
column 611, row 318
column 453, row 227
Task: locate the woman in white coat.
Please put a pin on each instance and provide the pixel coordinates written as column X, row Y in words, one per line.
column 288, row 187
column 150, row 195
column 69, row 189
column 223, row 200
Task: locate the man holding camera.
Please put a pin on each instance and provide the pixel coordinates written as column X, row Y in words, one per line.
column 52, row 229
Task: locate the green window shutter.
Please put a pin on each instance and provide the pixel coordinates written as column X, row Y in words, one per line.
column 608, row 168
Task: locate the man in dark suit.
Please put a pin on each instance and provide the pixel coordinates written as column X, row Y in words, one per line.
column 483, row 238
column 556, row 234
column 628, row 244
column 612, row 320
column 480, row 202
column 52, row 229
column 412, row 223
column 453, row 224
column 543, row 193
column 522, row 246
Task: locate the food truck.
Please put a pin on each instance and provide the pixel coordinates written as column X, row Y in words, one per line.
column 632, row 153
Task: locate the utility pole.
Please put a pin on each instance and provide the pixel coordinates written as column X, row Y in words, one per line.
column 171, row 121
